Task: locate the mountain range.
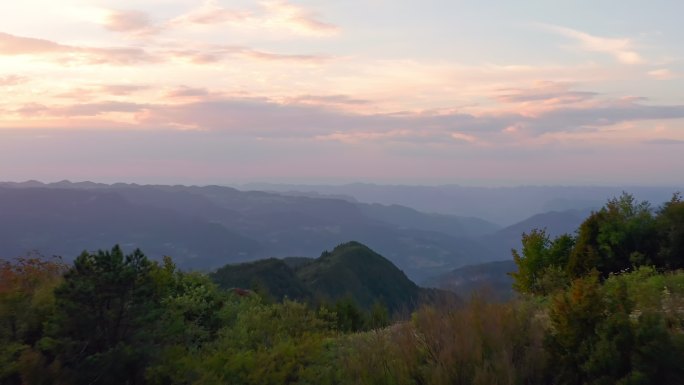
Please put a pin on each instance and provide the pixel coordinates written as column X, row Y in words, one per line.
column 207, row 227
column 501, row 205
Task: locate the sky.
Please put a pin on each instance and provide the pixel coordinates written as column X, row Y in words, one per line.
column 484, row 92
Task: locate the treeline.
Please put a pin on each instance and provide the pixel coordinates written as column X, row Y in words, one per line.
column 613, row 294
column 113, row 318
column 602, row 306
column 622, row 235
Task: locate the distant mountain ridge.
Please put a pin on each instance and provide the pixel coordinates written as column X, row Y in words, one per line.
column 493, row 276
column 500, row 205
column 555, row 223
column 66, row 222
column 205, row 227
column 261, row 224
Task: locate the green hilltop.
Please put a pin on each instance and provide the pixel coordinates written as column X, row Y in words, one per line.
column 350, row 270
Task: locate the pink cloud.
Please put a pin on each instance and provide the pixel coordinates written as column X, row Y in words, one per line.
column 276, row 15
column 297, row 18
column 11, row 45
column 264, row 117
column 333, row 100
column 32, row 109
column 77, row 110
column 392, row 136
column 185, row 92
column 138, row 23
column 119, row 56
column 129, row 21
column 662, row 74
column 544, row 93
column 106, row 90
column 94, row 109
column 215, row 54
column 329, row 118
column 12, row 80
column 270, row 56
column 210, row 12
column 17, row 45
column 122, row 89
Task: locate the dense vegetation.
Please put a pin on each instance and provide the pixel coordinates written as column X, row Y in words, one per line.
column 602, row 306
column 622, row 235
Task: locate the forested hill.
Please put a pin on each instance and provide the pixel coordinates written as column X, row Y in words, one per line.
column 351, row 270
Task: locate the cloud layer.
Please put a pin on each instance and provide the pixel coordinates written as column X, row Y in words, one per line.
column 401, row 86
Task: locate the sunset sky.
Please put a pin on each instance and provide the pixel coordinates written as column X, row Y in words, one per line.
column 467, row 92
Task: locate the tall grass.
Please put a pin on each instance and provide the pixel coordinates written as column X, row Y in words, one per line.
column 478, row 342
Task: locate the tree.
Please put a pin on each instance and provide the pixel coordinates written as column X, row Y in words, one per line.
column 26, row 302
column 349, row 316
column 378, row 317
column 574, row 317
column 621, row 235
column 670, row 220
column 190, row 321
column 612, row 334
column 106, row 311
column 541, row 267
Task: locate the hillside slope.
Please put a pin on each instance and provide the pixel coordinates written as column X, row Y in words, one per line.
column 500, row 243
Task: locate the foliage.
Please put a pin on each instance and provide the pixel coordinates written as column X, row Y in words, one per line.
column 261, row 343
column 623, row 235
column 26, row 301
column 479, row 343
column 269, row 277
column 615, row 317
column 106, row 310
column 540, row 267
column 626, row 331
column 670, row 222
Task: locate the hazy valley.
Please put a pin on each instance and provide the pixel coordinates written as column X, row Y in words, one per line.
column 207, row 227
